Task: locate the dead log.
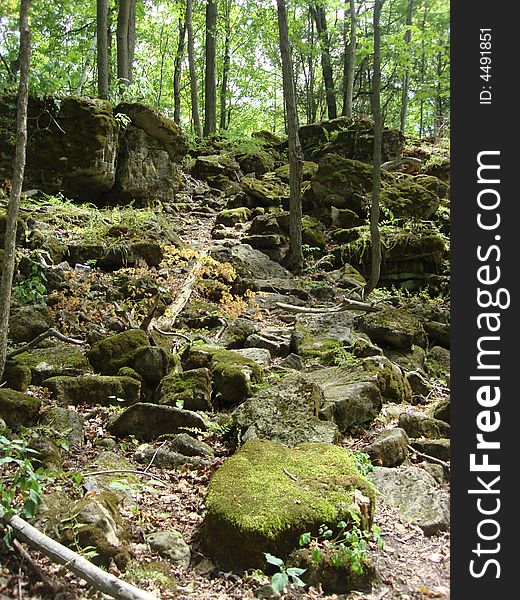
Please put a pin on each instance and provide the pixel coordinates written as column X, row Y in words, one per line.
column 345, row 305
column 101, row 580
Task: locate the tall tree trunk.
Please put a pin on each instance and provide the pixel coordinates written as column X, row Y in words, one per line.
column 17, row 182
column 102, row 48
column 177, row 72
column 326, row 65
column 294, row 257
column 226, row 66
column 123, row 20
column 350, row 61
column 131, row 39
column 375, row 267
column 423, row 71
column 84, row 71
column 193, row 73
column 210, row 80
column 406, row 77
column 163, row 49
column 312, row 76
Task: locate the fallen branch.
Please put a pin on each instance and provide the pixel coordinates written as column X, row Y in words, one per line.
column 22, row 552
column 345, row 305
column 46, row 334
column 96, row 577
column 430, row 458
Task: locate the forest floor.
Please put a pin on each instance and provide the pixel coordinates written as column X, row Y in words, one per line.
column 410, row 565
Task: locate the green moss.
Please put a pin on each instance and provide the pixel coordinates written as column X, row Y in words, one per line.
column 257, row 507
column 18, row 409
column 59, row 357
column 231, row 216
column 155, row 570
column 18, row 377
column 109, row 355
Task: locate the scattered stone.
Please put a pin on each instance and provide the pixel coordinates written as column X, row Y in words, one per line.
column 190, row 446
column 263, row 497
column 152, row 363
column 420, row 385
column 109, row 355
column 259, row 355
column 389, row 449
column 172, row 546
column 393, row 327
column 275, row 345
column 439, row 448
column 68, row 423
column 165, row 457
column 17, row 408
column 52, row 361
column 292, row 361
column 441, row 410
column 419, row 425
column 149, row 421
column 317, row 334
column 17, row 377
column 236, row 333
column 27, row 322
column 286, row 413
column 438, row 363
column 416, row 495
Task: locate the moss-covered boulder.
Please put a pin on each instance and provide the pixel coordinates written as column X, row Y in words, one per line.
column 309, row 170
column 94, row 389
column 347, row 184
column 285, row 412
column 419, row 425
column 389, row 449
column 53, row 361
column 255, row 506
column 189, row 389
column 17, row 377
column 27, row 322
column 215, row 165
column 322, row 336
column 265, row 192
column 17, row 408
column 117, row 351
column 256, row 161
column 231, row 216
column 395, row 327
column 152, row 363
column 65, row 422
column 149, row 421
column 233, row 375
column 438, row 363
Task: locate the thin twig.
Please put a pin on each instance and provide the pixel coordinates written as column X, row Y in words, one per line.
column 35, row 567
column 173, row 333
column 41, row 337
column 153, row 457
column 430, row 458
column 293, row 477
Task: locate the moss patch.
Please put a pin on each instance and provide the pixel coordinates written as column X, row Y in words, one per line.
column 18, row 409
column 109, row 355
column 256, row 507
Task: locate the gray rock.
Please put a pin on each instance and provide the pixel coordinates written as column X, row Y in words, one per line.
column 389, row 449
column 17, row 408
column 347, row 402
column 171, row 545
column 236, row 333
column 438, row 363
column 27, row 322
column 165, row 457
column 437, row 448
column 411, row 359
column 393, row 327
column 441, row 410
column 312, row 331
column 419, row 425
column 152, row 363
column 285, row 413
column 419, row 384
column 259, row 355
column 416, row 495
column 94, row 389
column 149, row 421
column 292, row 361
column 277, row 346
column 190, row 446
column 67, row 422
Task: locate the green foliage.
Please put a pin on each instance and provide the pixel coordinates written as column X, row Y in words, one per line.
column 20, row 484
column 284, row 575
column 362, row 462
column 32, row 289
column 348, row 546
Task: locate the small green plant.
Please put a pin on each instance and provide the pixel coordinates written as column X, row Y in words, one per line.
column 32, row 290
column 281, row 579
column 362, row 462
column 20, row 485
column 347, row 546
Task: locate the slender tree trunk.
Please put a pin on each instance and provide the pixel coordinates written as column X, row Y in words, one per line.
column 123, row 19
column 350, row 61
column 312, row 75
column 17, row 182
column 210, row 81
column 177, row 72
column 84, row 71
column 163, row 49
column 294, row 258
column 375, row 267
column 423, row 71
column 406, row 77
column 110, row 45
column 193, row 73
column 131, row 39
column 102, row 48
column 326, row 65
column 226, row 66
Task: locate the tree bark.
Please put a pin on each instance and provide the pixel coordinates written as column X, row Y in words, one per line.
column 102, row 48
column 123, row 19
column 326, row 65
column 17, row 182
column 350, row 61
column 375, row 267
column 131, row 39
column 193, row 73
column 177, row 72
column 226, row 67
column 84, row 71
column 210, row 80
column 294, row 257
column 406, row 77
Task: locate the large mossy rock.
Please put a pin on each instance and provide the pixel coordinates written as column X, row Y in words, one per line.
column 189, row 389
column 117, row 351
column 256, row 507
column 347, row 184
column 322, row 336
column 94, row 389
column 265, row 192
column 72, row 146
column 53, row 361
column 257, row 161
column 144, row 169
column 27, row 322
column 394, row 327
column 213, row 166
column 286, row 413
column 17, row 408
